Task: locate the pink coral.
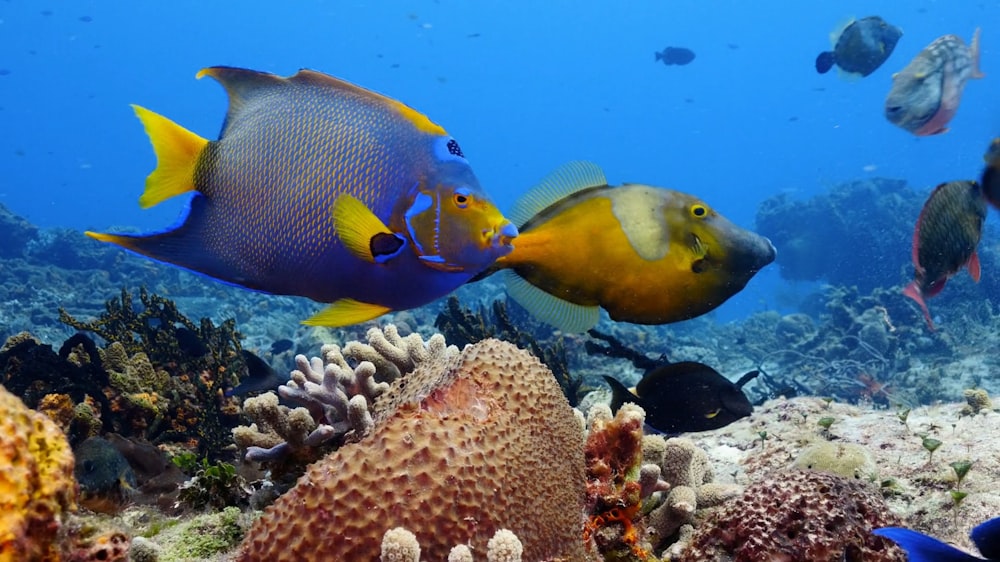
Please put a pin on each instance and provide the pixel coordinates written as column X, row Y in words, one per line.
column 798, row 515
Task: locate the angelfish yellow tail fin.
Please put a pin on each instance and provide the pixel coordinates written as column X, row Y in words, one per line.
column 177, row 150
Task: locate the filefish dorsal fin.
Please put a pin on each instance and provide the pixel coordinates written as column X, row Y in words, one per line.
column 363, row 233
column 559, row 184
column 564, row 315
column 177, row 151
column 346, row 312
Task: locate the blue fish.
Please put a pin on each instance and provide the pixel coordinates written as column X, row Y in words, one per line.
column 922, row 548
column 322, row 189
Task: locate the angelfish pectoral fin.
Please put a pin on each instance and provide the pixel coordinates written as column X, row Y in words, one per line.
column 346, row 312
column 363, row 233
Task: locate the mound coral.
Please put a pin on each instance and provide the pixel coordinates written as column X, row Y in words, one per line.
column 798, row 515
column 36, row 482
column 461, row 447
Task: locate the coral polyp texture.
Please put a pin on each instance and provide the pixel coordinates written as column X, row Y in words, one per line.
column 36, row 482
column 798, row 515
column 461, row 447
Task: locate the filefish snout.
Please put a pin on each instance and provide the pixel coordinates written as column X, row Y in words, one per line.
column 743, row 252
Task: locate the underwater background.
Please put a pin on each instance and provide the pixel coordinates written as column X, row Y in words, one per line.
column 749, row 126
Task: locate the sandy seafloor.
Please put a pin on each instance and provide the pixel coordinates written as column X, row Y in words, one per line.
column 916, row 369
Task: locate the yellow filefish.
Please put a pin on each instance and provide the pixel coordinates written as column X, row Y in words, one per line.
column 645, row 254
column 322, row 189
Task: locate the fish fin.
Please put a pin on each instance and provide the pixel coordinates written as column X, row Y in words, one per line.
column 362, row 232
column 986, row 537
column 713, row 413
column 973, row 266
column 747, row 378
column 620, row 394
column 974, row 50
column 346, row 312
column 177, row 151
column 913, row 291
column 183, row 245
column 241, row 84
column 840, row 29
column 562, row 182
column 922, row 548
column 564, row 315
column 825, row 61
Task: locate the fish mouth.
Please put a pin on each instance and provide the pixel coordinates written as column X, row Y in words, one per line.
column 504, row 236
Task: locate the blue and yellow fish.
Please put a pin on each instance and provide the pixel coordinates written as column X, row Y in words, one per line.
column 322, row 189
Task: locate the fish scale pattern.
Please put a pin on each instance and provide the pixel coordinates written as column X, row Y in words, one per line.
column 462, row 447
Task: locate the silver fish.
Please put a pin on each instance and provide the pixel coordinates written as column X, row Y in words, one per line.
column 925, row 95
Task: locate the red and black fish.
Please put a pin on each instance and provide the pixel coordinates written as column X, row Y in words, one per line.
column 945, row 239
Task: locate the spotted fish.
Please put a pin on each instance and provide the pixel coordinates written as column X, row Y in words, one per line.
column 925, row 95
column 322, row 189
column 645, row 254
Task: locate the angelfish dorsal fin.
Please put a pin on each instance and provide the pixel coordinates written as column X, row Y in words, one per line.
column 562, row 182
column 564, row 315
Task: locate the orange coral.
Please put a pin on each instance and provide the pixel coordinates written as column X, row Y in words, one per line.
column 36, row 482
column 462, row 447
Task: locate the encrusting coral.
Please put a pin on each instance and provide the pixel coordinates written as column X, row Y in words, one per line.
column 36, row 482
column 461, row 447
column 797, row 515
column 335, row 398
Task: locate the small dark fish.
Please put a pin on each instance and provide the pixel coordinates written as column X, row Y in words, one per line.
column 260, row 377
column 945, row 239
column 86, row 19
column 106, row 480
column 923, row 548
column 190, row 342
column 473, row 35
column 860, row 47
column 281, row 346
column 675, row 55
column 925, row 95
column 991, row 174
column 684, row 397
column 4, row 72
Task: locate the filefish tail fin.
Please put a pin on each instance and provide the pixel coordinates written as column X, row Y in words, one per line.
column 824, row 62
column 974, row 49
column 346, row 312
column 564, row 315
column 913, row 291
column 177, row 150
column 922, row 548
column 973, row 265
column 181, row 245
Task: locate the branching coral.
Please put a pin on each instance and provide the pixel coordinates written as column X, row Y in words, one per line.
column 334, row 397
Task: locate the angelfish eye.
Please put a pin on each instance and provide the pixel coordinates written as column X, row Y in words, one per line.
column 699, row 210
column 462, row 198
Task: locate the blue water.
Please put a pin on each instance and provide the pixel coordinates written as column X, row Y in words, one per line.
column 524, row 86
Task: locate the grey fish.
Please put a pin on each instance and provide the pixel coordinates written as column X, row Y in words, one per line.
column 106, row 480
column 925, row 95
column 860, row 47
column 675, row 55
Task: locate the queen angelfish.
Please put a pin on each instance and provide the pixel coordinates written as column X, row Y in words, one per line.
column 322, row 189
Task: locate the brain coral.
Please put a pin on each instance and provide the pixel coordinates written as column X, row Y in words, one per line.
column 462, row 447
column 36, row 482
column 798, row 515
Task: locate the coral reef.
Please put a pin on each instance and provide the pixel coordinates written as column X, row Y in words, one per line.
column 798, row 515
column 334, row 398
column 461, row 447
column 36, row 482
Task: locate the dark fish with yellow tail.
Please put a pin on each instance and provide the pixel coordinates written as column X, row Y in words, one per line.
column 945, row 239
column 645, row 254
column 991, row 174
column 322, row 189
column 107, row 481
column 925, row 95
column 684, row 397
column 859, row 47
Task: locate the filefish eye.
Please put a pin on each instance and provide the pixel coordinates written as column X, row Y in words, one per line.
column 462, row 198
column 699, row 210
